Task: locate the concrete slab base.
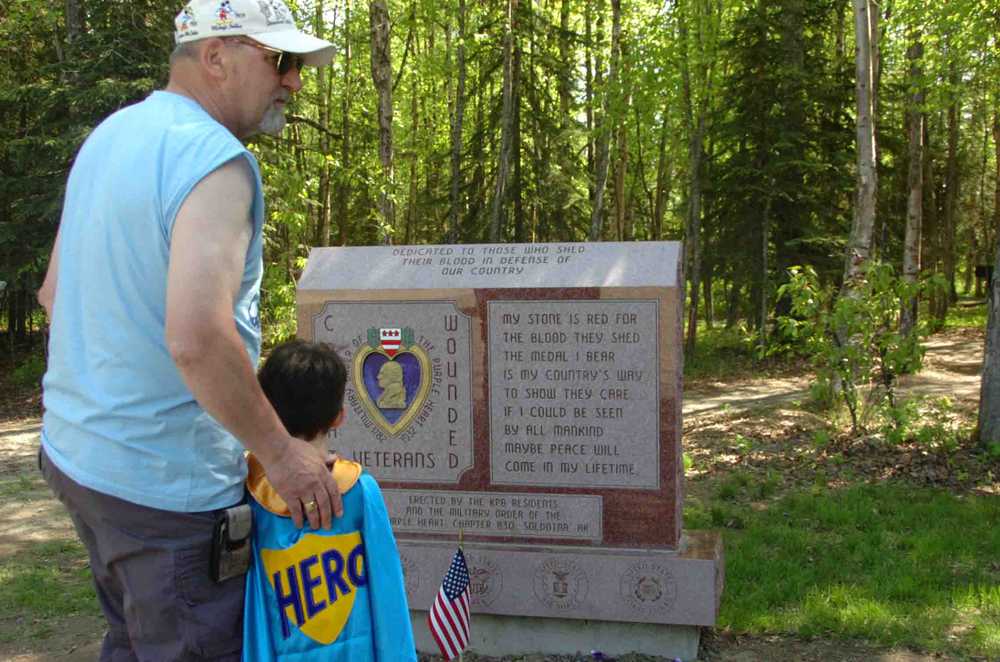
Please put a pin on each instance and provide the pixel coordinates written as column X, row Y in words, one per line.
column 518, row 635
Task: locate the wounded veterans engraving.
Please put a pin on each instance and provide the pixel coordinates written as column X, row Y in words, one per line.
column 409, row 381
column 574, row 393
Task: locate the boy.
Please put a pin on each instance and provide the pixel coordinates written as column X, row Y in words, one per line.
column 334, row 594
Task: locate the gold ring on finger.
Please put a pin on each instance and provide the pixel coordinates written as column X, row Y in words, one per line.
column 311, row 506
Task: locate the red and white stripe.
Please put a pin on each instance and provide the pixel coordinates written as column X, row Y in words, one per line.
column 449, row 623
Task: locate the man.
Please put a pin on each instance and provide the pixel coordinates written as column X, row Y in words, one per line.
column 153, row 295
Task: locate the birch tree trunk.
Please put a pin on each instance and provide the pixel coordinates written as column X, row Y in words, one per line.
column 378, row 12
column 605, row 127
column 931, row 231
column 664, row 180
column 343, row 178
column 915, row 181
column 412, row 212
column 621, row 226
column 499, row 210
column 515, row 148
column 456, row 130
column 692, row 227
column 692, row 232
column 477, row 186
column 323, row 88
column 952, row 183
column 859, row 245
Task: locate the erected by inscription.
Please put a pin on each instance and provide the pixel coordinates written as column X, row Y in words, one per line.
column 495, row 514
column 574, row 398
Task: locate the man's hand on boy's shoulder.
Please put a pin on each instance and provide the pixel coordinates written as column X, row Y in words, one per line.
column 301, row 477
column 332, row 458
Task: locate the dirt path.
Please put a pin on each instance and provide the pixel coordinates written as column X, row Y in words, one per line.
column 952, row 367
column 30, row 515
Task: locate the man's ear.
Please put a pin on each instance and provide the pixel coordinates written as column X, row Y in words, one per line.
column 337, row 422
column 213, row 58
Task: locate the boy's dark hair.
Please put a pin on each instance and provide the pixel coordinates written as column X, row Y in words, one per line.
column 305, row 383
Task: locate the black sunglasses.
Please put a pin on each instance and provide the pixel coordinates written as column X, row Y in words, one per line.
column 285, row 61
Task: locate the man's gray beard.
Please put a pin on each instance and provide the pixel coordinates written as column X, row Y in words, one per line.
column 273, row 121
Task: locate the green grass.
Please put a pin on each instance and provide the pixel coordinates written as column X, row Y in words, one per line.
column 964, row 315
column 20, row 486
column 42, row 585
column 893, row 565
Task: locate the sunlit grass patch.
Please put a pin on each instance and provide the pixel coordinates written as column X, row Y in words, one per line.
column 50, row 581
column 893, row 565
column 966, row 313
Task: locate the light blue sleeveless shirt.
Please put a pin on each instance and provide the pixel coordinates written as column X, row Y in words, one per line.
column 118, row 418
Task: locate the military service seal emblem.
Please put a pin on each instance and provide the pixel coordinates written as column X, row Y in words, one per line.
column 649, row 588
column 560, row 584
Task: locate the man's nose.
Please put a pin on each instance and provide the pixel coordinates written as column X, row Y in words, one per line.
column 292, row 80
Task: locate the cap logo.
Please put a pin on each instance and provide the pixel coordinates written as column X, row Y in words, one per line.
column 226, row 18
column 275, row 12
column 186, row 22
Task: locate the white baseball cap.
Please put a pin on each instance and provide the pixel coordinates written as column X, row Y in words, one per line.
column 267, row 21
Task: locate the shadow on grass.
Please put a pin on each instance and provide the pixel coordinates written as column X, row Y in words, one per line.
column 40, row 586
column 891, row 564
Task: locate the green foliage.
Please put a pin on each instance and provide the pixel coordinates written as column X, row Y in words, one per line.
column 854, row 338
column 725, row 353
column 277, row 306
column 821, row 438
column 29, row 372
column 930, row 422
column 782, row 174
column 773, row 82
column 53, row 91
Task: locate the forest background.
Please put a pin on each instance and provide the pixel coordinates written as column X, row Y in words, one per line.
column 729, row 124
column 765, row 134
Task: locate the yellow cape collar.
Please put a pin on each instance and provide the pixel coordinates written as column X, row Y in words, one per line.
column 345, row 472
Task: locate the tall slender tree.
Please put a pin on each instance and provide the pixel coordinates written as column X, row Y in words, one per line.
column 859, row 246
column 382, row 77
column 605, row 126
column 915, row 180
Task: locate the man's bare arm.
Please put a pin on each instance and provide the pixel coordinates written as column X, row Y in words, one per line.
column 207, row 252
column 47, row 292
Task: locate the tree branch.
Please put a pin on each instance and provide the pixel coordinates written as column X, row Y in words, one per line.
column 298, row 119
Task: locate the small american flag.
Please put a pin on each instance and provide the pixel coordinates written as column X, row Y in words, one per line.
column 448, row 618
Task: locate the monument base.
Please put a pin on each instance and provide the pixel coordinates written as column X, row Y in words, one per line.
column 497, row 636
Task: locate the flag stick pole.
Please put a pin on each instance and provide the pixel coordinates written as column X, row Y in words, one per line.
column 461, row 654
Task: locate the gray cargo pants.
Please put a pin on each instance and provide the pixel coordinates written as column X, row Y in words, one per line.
column 151, row 572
